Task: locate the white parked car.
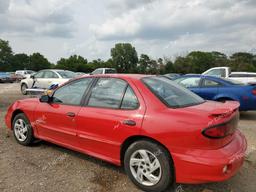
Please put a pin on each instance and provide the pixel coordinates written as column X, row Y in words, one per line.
column 24, row 73
column 225, row 72
column 45, row 78
column 104, row 71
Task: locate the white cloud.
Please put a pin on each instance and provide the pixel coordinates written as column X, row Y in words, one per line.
column 155, row 27
column 170, row 19
column 49, row 17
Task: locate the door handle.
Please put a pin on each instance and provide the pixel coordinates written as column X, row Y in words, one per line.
column 70, row 114
column 129, row 122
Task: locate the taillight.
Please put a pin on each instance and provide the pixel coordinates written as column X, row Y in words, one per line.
column 221, row 130
column 254, row 91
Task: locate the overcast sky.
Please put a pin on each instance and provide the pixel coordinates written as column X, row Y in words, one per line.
column 160, row 28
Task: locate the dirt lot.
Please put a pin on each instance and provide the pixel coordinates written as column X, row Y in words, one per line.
column 47, row 167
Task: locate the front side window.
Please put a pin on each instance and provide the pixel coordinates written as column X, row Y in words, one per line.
column 171, row 93
column 189, row 82
column 72, row 93
column 210, row 83
column 107, row 93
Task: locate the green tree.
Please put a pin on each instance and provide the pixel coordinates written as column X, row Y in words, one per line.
column 143, row 64
column 200, row 61
column 183, row 65
column 20, row 61
column 73, row 63
column 5, row 56
column 124, row 57
column 38, row 62
column 242, row 61
column 154, row 67
column 169, row 67
column 161, row 66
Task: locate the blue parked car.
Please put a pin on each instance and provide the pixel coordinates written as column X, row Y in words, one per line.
column 219, row 89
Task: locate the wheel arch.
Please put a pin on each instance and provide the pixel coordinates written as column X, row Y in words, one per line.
column 23, row 83
column 135, row 138
column 225, row 97
column 16, row 112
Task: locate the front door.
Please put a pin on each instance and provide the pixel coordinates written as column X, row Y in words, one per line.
column 56, row 121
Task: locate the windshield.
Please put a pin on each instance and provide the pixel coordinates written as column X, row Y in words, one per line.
column 170, row 93
column 67, row 74
column 110, row 71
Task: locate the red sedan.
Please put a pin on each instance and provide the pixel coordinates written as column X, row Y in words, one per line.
column 160, row 132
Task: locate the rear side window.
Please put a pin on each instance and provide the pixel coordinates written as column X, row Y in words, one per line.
column 210, row 83
column 39, row 74
column 189, row 82
column 107, row 93
column 130, row 100
column 107, row 71
column 50, row 74
column 171, row 93
column 97, row 71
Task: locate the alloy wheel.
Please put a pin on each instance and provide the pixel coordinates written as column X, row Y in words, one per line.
column 145, row 167
column 21, row 130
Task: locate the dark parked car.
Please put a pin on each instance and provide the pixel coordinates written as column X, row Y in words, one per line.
column 6, row 78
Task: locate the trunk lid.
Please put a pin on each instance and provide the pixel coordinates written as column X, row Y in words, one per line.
column 217, row 118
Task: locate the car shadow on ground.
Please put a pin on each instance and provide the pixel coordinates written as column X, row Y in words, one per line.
column 102, row 180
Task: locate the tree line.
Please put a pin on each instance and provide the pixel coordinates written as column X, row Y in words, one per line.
column 125, row 59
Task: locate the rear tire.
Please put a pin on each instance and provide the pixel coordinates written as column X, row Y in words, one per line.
column 149, row 166
column 23, row 89
column 22, row 130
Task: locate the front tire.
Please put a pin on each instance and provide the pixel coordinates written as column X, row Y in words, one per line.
column 149, row 166
column 23, row 89
column 22, row 130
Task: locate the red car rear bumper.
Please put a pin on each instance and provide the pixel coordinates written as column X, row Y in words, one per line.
column 202, row 166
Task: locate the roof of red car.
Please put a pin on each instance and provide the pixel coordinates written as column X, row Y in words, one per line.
column 120, row 75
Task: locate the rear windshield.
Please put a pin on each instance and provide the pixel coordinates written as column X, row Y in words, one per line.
column 67, row 74
column 170, row 93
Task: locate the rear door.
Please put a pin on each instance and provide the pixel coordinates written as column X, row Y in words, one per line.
column 114, row 110
column 56, row 121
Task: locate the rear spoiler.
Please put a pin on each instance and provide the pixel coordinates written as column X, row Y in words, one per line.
column 228, row 108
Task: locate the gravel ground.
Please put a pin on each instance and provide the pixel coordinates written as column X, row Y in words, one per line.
column 47, row 167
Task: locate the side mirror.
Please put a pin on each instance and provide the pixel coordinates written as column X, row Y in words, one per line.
column 32, row 76
column 45, row 99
